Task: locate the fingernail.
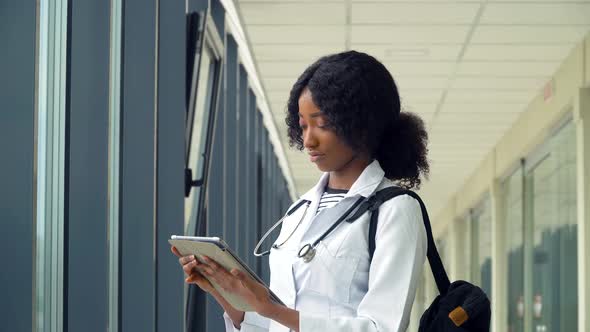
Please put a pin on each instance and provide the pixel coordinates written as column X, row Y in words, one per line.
column 206, row 259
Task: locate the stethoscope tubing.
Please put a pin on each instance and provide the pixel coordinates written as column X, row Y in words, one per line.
column 307, row 252
column 290, row 212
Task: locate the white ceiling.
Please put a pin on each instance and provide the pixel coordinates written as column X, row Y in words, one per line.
column 467, row 67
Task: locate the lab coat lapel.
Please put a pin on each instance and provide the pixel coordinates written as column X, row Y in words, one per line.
column 320, row 223
column 364, row 186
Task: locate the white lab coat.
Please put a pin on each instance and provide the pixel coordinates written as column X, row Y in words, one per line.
column 338, row 290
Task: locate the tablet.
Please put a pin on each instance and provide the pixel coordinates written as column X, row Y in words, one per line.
column 219, row 251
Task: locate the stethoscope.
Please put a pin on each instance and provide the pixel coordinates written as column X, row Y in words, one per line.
column 308, row 251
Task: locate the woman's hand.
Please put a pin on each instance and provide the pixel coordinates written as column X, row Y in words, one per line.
column 241, row 284
column 193, row 269
column 190, row 266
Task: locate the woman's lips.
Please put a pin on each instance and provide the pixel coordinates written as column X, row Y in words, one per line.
column 315, row 157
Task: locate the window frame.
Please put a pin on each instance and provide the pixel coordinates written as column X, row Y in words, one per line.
column 208, row 40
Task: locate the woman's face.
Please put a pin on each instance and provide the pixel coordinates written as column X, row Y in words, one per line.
column 324, row 147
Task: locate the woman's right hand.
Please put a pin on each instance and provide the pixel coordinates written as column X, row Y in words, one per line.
column 190, row 267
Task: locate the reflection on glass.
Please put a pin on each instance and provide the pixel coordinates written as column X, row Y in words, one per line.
column 50, row 140
column 514, row 250
column 482, row 247
column 552, row 185
column 205, row 85
column 443, row 252
column 114, row 164
column 463, row 248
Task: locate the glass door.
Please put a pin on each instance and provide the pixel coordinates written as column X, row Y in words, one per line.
column 551, row 236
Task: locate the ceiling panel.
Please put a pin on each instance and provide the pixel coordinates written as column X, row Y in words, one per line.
column 407, row 82
column 279, row 84
column 468, row 95
column 294, row 13
column 282, row 69
column 490, row 118
column 461, row 96
column 420, row 109
column 539, row 34
column 498, row 83
column 551, row 53
column 245, row 2
column 411, row 97
column 289, row 34
column 479, row 108
column 413, row 13
column 536, row 13
column 409, row 52
column 299, row 53
column 410, row 68
column 384, row 34
column 507, row 68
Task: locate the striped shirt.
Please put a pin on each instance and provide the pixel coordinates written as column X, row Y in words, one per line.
column 331, row 197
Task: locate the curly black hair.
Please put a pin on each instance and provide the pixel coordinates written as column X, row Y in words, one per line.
column 360, row 100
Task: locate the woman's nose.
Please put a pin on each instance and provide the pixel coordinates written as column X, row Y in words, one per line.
column 309, row 139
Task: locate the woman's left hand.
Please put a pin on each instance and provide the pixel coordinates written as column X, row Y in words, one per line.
column 241, row 284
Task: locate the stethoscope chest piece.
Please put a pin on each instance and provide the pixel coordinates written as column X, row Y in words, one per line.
column 307, row 253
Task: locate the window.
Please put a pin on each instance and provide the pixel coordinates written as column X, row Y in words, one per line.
column 50, row 159
column 551, row 218
column 463, row 245
column 201, row 106
column 481, row 246
column 514, row 235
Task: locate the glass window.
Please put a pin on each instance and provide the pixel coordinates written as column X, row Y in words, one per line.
column 50, row 168
column 198, row 121
column 114, row 163
column 482, row 247
column 463, row 245
column 551, row 192
column 444, row 252
column 514, row 235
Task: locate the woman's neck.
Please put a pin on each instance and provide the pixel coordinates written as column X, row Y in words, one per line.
column 345, row 177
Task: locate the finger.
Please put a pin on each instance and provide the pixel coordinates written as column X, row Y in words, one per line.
column 190, row 268
column 175, row 251
column 238, row 274
column 215, row 267
column 243, row 278
column 208, row 270
column 186, row 259
column 195, row 277
column 216, row 273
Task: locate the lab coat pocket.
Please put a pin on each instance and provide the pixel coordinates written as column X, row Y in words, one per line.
column 332, row 276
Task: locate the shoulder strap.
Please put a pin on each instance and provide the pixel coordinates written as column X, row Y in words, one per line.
column 372, row 205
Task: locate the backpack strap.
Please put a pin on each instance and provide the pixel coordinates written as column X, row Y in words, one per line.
column 372, row 205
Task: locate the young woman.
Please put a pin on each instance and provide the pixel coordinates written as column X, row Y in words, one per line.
column 344, row 110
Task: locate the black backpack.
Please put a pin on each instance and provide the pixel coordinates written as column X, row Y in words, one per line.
column 461, row 306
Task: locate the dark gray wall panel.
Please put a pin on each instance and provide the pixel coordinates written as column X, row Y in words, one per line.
column 215, row 207
column 171, row 125
column 138, row 276
column 251, row 236
column 87, row 191
column 218, row 14
column 231, row 185
column 242, row 165
column 196, row 5
column 17, row 94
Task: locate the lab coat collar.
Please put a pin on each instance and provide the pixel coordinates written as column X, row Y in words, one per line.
column 368, row 181
column 365, row 185
column 318, row 189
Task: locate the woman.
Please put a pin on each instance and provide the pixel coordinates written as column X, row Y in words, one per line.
column 345, row 111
